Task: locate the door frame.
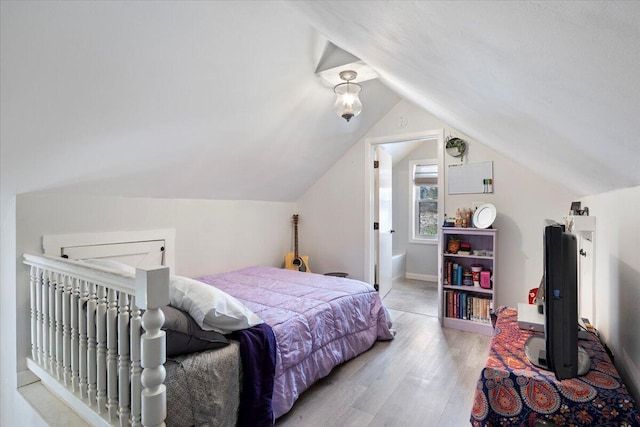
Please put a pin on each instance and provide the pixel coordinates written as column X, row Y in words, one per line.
column 369, row 186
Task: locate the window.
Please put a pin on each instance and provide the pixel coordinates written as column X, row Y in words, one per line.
column 424, row 207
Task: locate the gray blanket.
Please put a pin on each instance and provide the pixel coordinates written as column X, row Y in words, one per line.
column 203, row 387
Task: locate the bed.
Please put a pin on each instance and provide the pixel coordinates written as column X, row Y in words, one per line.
column 88, row 347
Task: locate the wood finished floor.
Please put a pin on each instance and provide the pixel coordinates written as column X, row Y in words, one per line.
column 426, row 376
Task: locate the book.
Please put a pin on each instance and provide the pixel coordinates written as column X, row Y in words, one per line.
column 464, row 306
column 454, row 281
column 455, row 304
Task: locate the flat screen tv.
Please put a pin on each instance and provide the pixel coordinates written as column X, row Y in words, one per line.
column 558, row 351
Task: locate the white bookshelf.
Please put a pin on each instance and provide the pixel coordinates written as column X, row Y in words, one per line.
column 454, row 297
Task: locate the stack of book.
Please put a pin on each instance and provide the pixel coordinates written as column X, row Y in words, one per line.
column 463, row 305
column 454, row 274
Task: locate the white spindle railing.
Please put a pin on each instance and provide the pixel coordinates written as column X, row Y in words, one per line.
column 101, row 349
column 82, row 351
column 33, row 284
column 87, row 343
column 124, row 364
column 92, row 344
column 59, row 343
column 153, row 344
column 75, row 335
column 136, row 367
column 112, row 358
column 51, row 287
column 66, row 330
column 44, row 326
column 39, row 316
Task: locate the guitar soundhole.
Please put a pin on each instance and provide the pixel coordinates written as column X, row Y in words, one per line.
column 299, row 265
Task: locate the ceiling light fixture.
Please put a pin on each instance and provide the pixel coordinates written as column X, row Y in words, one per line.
column 347, row 104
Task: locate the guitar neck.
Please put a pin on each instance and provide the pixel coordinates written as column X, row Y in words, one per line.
column 295, row 240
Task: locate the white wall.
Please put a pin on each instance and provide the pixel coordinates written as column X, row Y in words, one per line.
column 421, row 259
column 211, row 236
column 9, row 399
column 333, row 208
column 523, row 200
column 617, row 281
column 332, row 218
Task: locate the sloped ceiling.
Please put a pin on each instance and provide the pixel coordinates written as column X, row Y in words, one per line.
column 219, row 99
column 214, row 100
column 553, row 85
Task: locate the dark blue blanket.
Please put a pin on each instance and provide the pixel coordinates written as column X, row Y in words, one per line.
column 258, row 357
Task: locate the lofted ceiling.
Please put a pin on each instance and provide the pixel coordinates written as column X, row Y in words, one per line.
column 219, row 100
column 199, row 100
column 552, row 85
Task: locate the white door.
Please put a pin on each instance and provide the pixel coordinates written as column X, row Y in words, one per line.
column 383, row 238
column 586, row 295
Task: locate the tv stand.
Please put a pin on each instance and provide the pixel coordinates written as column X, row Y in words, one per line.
column 535, row 349
column 513, row 391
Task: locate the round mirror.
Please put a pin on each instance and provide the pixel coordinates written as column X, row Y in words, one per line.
column 455, row 147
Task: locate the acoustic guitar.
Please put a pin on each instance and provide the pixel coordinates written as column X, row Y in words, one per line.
column 292, row 260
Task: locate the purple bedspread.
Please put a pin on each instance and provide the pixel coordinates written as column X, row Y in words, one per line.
column 319, row 322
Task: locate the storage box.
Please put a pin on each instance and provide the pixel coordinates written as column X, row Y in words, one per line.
column 485, row 279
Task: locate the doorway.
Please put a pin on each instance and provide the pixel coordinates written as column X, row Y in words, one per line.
column 399, row 146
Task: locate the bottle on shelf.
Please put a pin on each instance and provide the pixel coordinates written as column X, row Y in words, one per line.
column 458, row 218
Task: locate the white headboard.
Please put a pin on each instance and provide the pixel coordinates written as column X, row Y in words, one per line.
column 143, row 248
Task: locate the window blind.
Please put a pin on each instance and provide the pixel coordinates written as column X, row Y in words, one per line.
column 425, row 174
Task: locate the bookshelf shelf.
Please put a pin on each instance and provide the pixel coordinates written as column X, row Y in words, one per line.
column 467, row 256
column 469, row 289
column 462, row 305
column 468, row 325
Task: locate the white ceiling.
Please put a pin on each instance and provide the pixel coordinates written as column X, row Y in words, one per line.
column 553, row 85
column 219, row 99
column 214, row 100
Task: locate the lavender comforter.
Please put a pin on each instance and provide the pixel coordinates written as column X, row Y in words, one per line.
column 319, row 322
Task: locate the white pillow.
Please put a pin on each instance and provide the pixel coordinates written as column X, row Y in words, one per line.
column 211, row 308
column 113, row 265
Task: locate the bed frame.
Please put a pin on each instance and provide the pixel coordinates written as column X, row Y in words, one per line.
column 86, row 340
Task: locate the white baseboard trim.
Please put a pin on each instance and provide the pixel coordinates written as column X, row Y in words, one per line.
column 26, row 377
column 76, row 404
column 425, row 277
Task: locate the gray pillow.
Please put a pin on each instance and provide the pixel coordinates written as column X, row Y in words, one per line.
column 184, row 336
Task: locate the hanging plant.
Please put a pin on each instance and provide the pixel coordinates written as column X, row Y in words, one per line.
column 455, row 146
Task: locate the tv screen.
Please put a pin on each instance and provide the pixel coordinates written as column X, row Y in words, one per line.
column 561, row 301
column 558, row 351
